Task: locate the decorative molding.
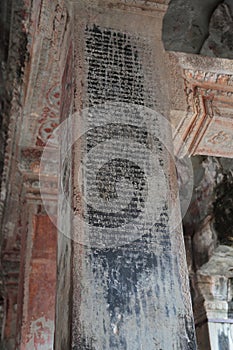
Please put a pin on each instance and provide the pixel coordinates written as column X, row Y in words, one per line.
column 33, row 114
column 138, row 5
column 208, row 125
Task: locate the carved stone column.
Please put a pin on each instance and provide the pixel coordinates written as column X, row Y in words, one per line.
column 213, row 307
column 129, row 287
column 37, row 282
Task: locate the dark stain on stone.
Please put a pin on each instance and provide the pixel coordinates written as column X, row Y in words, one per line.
column 223, row 342
column 190, row 341
column 126, row 265
column 223, row 209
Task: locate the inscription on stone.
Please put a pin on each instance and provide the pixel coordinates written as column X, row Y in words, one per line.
column 127, row 290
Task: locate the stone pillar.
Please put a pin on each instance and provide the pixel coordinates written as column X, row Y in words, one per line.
column 29, row 259
column 125, row 257
column 37, row 282
column 38, row 304
column 213, row 306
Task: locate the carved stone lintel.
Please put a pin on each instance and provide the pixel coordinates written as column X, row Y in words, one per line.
column 208, row 124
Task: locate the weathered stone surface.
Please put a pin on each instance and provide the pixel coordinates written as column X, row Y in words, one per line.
column 203, row 27
column 211, row 201
column 12, row 57
column 38, row 296
column 206, row 171
column 223, row 209
column 220, row 40
column 186, row 24
column 204, row 242
column 210, row 259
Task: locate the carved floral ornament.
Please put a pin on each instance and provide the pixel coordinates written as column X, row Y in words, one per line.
column 218, row 138
column 50, row 115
